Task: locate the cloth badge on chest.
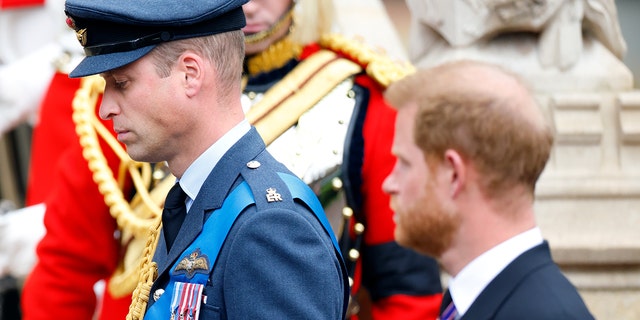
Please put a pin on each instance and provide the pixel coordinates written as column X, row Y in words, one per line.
column 196, row 262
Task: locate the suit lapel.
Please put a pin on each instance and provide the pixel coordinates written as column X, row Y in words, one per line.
column 490, row 299
column 211, row 196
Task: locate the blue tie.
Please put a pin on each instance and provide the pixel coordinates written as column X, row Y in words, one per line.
column 173, row 214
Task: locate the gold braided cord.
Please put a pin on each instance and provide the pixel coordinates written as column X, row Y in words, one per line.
column 141, row 222
column 378, row 66
column 126, row 276
column 148, row 274
column 88, row 127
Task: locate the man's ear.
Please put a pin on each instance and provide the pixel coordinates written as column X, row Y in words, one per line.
column 192, row 67
column 456, row 172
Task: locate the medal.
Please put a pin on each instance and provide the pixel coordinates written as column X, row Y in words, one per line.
column 186, row 301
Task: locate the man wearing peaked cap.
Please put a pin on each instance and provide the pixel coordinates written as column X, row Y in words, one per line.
column 247, row 239
column 114, row 34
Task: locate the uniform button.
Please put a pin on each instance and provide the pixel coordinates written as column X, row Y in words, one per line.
column 253, row 164
column 347, row 212
column 336, row 183
column 354, row 254
column 359, row 228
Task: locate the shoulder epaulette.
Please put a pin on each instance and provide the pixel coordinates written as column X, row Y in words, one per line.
column 378, row 66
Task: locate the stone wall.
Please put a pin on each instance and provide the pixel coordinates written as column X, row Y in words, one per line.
column 588, row 198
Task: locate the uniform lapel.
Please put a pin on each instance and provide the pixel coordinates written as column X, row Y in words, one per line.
column 211, row 196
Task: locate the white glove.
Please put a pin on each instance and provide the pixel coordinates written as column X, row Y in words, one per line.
column 20, row 232
column 33, row 43
column 22, row 86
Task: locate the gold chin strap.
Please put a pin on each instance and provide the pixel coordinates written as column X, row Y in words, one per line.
column 139, row 220
column 283, row 22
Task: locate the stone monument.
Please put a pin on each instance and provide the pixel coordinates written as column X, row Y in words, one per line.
column 570, row 51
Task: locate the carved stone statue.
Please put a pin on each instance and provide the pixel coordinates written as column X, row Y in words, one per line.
column 560, row 25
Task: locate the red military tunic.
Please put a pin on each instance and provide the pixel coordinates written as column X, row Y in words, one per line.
column 14, row 4
column 390, row 282
column 79, row 247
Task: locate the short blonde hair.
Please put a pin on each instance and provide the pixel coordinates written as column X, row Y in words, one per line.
column 224, row 50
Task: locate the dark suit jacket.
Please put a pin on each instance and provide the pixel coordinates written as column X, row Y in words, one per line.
column 530, row 287
column 277, row 262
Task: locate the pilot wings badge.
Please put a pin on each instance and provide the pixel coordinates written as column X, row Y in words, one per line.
column 196, row 262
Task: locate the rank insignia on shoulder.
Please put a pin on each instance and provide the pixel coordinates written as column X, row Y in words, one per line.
column 273, row 195
column 196, row 262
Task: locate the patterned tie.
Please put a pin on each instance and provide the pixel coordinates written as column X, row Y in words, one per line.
column 173, row 214
column 450, row 312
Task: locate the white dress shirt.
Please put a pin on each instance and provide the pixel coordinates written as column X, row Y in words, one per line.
column 195, row 175
column 475, row 276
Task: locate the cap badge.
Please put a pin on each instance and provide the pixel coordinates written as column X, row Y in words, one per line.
column 273, row 195
column 196, row 262
column 82, row 36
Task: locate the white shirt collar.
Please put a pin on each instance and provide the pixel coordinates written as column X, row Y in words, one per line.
column 476, row 275
column 195, row 175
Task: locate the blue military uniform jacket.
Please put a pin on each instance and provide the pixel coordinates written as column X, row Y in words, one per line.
column 277, row 262
column 531, row 287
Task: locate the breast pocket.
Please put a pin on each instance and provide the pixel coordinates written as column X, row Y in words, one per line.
column 210, row 310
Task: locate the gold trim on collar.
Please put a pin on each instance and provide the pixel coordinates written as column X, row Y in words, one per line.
column 274, row 57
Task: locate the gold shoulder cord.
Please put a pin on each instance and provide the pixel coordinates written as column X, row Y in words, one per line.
column 140, row 218
column 378, row 66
